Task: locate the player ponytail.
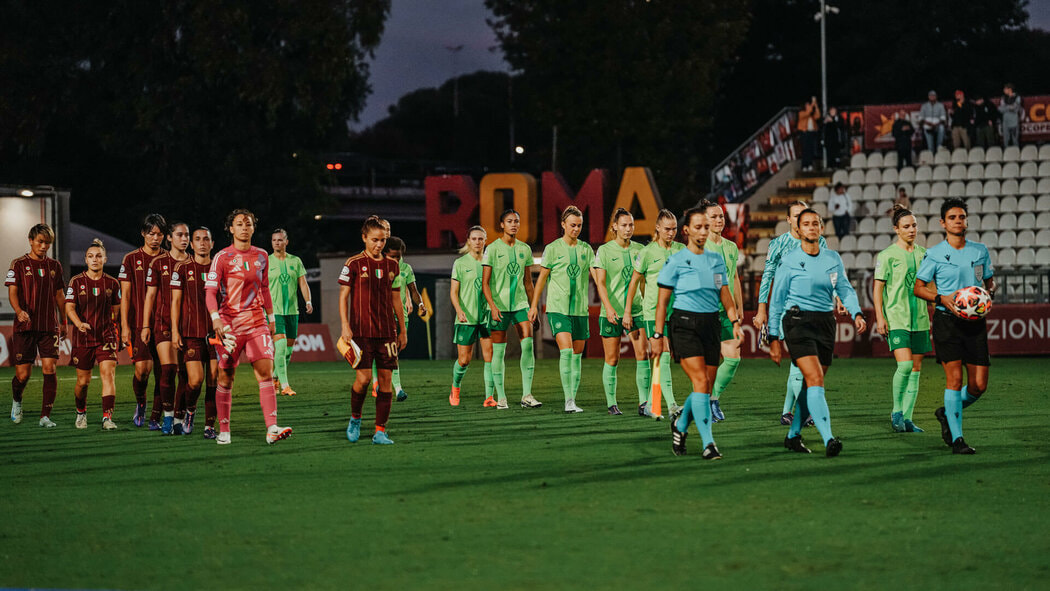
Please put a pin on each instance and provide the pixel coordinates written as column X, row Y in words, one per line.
column 374, row 222
column 571, row 210
column 899, row 212
column 466, row 245
column 97, row 243
column 687, row 215
column 664, row 214
column 619, row 213
column 42, row 230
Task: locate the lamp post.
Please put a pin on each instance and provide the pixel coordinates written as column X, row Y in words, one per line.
column 821, row 17
column 454, row 50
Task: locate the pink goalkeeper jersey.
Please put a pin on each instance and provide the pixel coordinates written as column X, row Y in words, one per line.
column 240, row 281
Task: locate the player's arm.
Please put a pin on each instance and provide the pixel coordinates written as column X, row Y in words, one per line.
column 417, row 300
column 176, row 312
column 766, row 285
column 147, row 311
column 732, row 311
column 663, row 297
column 267, row 299
column 848, row 298
column 304, row 288
column 74, row 318
column 534, row 303
column 453, row 294
column 12, row 296
column 632, row 288
column 738, row 296
column 878, row 299
column 486, row 290
column 344, row 319
column 211, row 295
column 603, row 294
column 125, row 304
column 60, row 304
column 526, row 281
column 399, row 313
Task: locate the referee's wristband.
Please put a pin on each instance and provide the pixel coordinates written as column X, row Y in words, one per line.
column 214, row 315
column 937, row 299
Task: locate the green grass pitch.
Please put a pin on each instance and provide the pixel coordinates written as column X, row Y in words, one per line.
column 471, row 497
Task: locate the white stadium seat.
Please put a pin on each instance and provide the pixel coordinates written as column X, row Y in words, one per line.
column 957, row 172
column 1025, row 238
column 939, row 189
column 975, row 172
column 907, row 175
column 973, row 204
column 1042, row 221
column 990, row 239
column 1044, row 168
column 934, row 238
column 855, row 191
column 919, row 206
column 1007, row 257
column 934, row 209
column 888, row 191
column 990, row 205
column 859, row 160
column 758, row 264
column 762, row 246
column 1008, row 204
column 973, row 222
column 1007, row 239
column 833, row 242
column 922, row 190
column 847, row 260
column 873, row 176
column 1011, row 154
column 890, row 160
column 820, row 194
column 1029, row 169
column 820, row 208
column 940, row 173
column 920, row 238
column 865, row 226
column 924, row 174
column 1043, row 203
column 864, row 260
column 1042, row 257
column 994, row 154
column 1026, row 257
column 1029, row 153
column 993, row 170
column 992, row 188
column 960, row 156
column 1043, row 186
column 925, row 157
column 871, row 193
column 884, row 208
column 943, row 157
column 865, row 242
column 856, row 176
column 882, row 241
column 782, row 226
column 1026, row 203
column 889, row 175
column 1009, row 187
column 884, row 225
column 1027, row 186
column 1007, row 221
column 848, row 243
column 957, row 189
column 990, row 221
column 976, row 154
column 840, row 176
column 1043, row 237
column 1011, row 170
column 1044, row 152
column 974, row 189
column 874, row 160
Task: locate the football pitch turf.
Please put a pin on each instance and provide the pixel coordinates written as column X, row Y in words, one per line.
column 472, row 497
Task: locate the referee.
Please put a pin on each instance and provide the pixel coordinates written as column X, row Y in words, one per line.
column 698, row 281
column 804, row 291
column 952, row 265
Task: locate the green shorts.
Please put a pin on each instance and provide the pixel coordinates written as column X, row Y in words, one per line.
column 578, row 326
column 287, row 324
column 468, row 334
column 918, row 341
column 509, row 318
column 727, row 327
column 609, row 330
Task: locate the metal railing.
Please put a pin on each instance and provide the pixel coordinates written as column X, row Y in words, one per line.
column 733, row 171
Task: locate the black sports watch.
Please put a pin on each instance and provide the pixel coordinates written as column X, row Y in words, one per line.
column 937, row 299
column 658, row 335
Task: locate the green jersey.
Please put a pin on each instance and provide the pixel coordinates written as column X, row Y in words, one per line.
column 284, row 277
column 404, row 278
column 618, row 262
column 728, row 250
column 649, row 262
column 467, row 271
column 568, row 281
column 902, row 309
column 507, row 282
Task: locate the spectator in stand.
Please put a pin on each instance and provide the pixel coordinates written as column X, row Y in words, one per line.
column 903, row 132
column 1011, row 109
column 841, row 206
column 902, row 199
column 807, row 125
column 985, row 116
column 962, row 121
column 834, row 137
column 934, row 118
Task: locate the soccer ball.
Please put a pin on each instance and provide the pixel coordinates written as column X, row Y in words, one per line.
column 973, row 302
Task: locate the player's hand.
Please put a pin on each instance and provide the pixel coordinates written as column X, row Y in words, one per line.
column 421, row 309
column 402, row 340
column 738, row 331
column 461, row 317
column 125, row 336
column 84, row 327
column 610, row 316
column 347, row 335
column 627, row 322
column 840, row 308
column 882, row 327
column 533, row 314
column 949, row 303
column 23, row 317
column 309, row 308
column 657, row 346
column 774, row 351
column 176, row 340
column 759, row 320
column 496, row 315
column 273, row 329
column 219, row 328
column 145, row 335
column 860, row 324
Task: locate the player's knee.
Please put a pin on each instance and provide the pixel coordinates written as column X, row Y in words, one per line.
column 906, row 366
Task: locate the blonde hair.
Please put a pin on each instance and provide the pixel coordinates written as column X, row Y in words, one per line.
column 571, row 210
column 97, row 243
column 374, row 222
column 466, row 245
column 665, row 214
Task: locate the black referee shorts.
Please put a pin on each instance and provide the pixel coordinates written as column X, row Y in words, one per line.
column 810, row 333
column 695, row 334
column 956, row 339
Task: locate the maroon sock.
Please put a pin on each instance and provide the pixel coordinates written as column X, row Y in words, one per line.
column 80, row 393
column 17, row 388
column 158, row 398
column 357, row 403
column 139, row 388
column 210, row 410
column 383, row 409
column 107, row 405
column 50, row 390
column 192, row 396
column 167, row 386
column 180, row 393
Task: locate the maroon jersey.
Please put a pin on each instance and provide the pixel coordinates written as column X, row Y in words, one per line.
column 189, row 277
column 159, row 275
column 93, row 300
column 133, row 269
column 37, row 282
column 370, row 309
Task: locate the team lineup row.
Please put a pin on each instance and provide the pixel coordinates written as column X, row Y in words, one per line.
column 491, row 290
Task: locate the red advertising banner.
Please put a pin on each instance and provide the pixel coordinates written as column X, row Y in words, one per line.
column 878, row 121
column 314, row 344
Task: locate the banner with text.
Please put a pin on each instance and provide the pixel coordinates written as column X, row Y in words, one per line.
column 878, row 121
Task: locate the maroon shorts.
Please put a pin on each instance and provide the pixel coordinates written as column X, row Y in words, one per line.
column 255, row 345
column 194, row 349
column 84, row 358
column 161, row 332
column 25, row 346
column 141, row 350
column 382, row 351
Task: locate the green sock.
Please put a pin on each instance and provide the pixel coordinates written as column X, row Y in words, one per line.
column 395, row 380
column 488, row 379
column 280, row 360
column 577, row 372
column 499, row 351
column 609, row 381
column 528, row 366
column 665, row 381
column 911, row 394
column 900, row 383
column 565, row 369
column 642, row 376
column 725, row 374
column 458, row 371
